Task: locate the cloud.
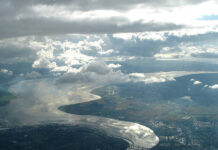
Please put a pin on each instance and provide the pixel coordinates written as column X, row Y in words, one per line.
column 215, row 86
column 142, row 36
column 37, row 100
column 97, row 67
column 6, row 72
column 87, row 17
column 114, row 65
column 61, row 55
column 95, row 5
column 135, row 46
column 159, row 77
column 152, row 77
column 138, row 30
column 186, row 98
column 197, row 82
column 74, row 57
column 43, row 63
column 44, row 26
column 33, row 74
column 166, row 45
column 13, row 54
column 192, row 79
column 137, row 75
column 93, row 73
column 107, row 52
column 30, row 17
column 191, row 47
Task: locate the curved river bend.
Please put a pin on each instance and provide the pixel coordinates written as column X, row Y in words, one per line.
column 45, row 110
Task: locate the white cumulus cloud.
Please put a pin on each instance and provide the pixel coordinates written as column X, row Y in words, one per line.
column 215, row 86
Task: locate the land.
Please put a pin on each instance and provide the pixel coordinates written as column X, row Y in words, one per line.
column 58, row 137
column 180, row 123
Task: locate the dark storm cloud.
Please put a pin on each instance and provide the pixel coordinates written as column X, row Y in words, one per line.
column 43, row 26
column 104, row 4
column 17, row 18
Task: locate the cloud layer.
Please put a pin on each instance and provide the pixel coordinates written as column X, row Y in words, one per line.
column 30, row 17
column 92, row 41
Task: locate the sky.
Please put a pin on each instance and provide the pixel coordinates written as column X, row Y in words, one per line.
column 98, row 41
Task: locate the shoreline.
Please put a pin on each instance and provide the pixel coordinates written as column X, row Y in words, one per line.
column 134, row 133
